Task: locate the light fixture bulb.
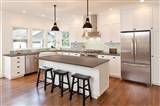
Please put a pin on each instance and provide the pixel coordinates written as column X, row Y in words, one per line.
column 141, row 1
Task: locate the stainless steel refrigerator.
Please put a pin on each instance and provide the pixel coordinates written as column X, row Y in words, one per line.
column 136, row 56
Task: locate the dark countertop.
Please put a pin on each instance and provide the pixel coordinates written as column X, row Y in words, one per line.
column 73, row 51
column 23, row 54
column 78, row 51
column 81, row 61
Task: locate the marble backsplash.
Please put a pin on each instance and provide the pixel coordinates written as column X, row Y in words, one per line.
column 96, row 46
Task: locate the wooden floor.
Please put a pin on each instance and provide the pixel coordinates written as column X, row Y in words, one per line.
column 22, row 92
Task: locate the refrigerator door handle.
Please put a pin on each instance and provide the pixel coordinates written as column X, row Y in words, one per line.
column 138, row 65
column 132, row 48
column 135, row 45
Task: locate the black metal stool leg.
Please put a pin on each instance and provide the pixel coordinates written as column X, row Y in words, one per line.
column 61, row 85
column 39, row 71
column 89, row 89
column 83, row 92
column 51, row 75
column 45, row 80
column 59, row 81
column 53, row 82
column 78, row 86
column 68, row 82
column 71, row 93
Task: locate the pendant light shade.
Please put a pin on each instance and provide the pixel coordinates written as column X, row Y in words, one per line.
column 87, row 25
column 55, row 27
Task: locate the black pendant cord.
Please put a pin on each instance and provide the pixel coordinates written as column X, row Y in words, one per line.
column 87, row 8
column 54, row 13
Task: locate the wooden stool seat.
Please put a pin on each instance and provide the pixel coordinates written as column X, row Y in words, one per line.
column 80, row 76
column 61, row 72
column 45, row 68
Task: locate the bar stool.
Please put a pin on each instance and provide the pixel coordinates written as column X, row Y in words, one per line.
column 61, row 75
column 45, row 70
column 84, row 78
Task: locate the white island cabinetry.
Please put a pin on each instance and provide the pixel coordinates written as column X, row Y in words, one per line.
column 14, row 67
column 96, row 68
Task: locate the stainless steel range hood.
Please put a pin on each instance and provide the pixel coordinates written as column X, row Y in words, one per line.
column 93, row 32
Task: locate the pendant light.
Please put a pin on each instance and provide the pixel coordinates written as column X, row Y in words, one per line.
column 87, row 25
column 55, row 27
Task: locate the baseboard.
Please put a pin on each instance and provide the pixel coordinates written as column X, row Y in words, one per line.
column 156, row 84
column 114, row 76
column 1, row 76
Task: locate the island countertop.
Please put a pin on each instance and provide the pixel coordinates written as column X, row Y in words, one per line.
column 81, row 61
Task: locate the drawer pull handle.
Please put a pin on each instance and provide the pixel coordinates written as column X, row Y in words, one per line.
column 18, row 72
column 114, row 57
column 18, row 66
column 18, row 61
column 18, row 57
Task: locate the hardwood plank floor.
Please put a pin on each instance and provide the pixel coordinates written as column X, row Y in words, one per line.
column 23, row 92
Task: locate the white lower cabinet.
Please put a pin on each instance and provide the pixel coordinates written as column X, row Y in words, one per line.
column 14, row 67
column 114, row 65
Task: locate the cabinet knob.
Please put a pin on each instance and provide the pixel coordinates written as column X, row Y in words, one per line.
column 18, row 61
column 18, row 72
column 18, row 66
column 18, row 57
column 114, row 57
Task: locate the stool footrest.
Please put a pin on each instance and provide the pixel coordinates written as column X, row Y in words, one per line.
column 64, row 82
column 85, row 88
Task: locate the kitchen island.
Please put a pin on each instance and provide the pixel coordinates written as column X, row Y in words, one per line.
column 94, row 67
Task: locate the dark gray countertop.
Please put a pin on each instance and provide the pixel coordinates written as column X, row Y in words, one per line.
column 23, row 54
column 74, row 51
column 80, row 61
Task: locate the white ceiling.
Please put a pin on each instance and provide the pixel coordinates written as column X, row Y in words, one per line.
column 39, row 7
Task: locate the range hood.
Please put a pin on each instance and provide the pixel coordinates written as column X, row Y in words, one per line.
column 93, row 32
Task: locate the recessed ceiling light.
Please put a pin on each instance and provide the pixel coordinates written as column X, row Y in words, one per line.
column 24, row 11
column 110, row 9
column 42, row 15
column 141, row 1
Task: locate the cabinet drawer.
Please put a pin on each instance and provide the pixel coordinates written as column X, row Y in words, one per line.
column 102, row 56
column 17, row 58
column 17, row 71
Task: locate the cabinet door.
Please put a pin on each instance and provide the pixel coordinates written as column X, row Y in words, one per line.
column 111, row 32
column 31, row 63
column 142, row 18
column 139, row 18
column 114, row 66
column 28, row 65
column 126, row 19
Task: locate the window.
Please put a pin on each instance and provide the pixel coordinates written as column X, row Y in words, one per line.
column 51, row 39
column 65, row 39
column 19, row 37
column 37, row 38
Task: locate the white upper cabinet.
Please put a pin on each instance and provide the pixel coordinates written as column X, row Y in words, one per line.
column 109, row 26
column 137, row 17
column 110, row 32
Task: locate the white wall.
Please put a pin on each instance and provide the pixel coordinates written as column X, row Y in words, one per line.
column 72, row 24
column 15, row 19
column 156, row 45
column 0, row 44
